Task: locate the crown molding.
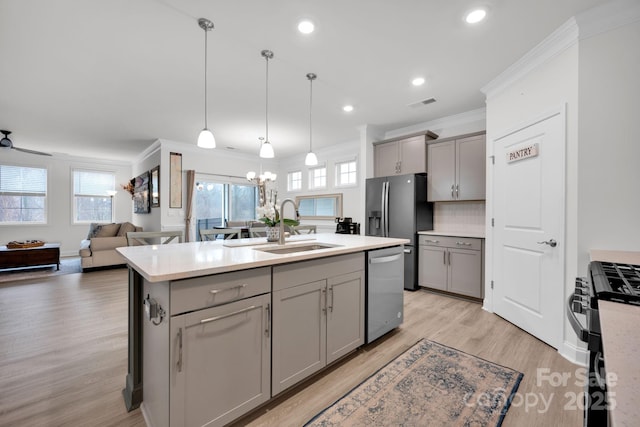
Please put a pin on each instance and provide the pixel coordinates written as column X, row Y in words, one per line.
column 558, row 41
column 476, row 115
column 597, row 20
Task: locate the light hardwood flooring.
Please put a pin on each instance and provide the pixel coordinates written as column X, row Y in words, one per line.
column 63, row 357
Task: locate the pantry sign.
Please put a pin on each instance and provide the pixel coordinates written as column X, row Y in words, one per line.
column 522, row 153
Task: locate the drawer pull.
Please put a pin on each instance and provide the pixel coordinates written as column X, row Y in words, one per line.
column 213, row 319
column 433, row 241
column 463, row 243
column 215, row 291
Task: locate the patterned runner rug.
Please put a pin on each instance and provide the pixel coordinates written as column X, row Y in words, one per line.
column 428, row 385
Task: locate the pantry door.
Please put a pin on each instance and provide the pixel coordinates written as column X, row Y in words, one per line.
column 529, row 226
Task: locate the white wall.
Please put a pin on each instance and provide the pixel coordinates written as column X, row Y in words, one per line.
column 328, row 156
column 219, row 161
column 60, row 227
column 609, row 149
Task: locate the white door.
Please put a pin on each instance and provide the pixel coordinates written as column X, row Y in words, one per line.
column 528, row 235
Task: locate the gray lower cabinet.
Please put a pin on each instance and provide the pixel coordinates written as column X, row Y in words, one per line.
column 451, row 264
column 318, row 316
column 209, row 362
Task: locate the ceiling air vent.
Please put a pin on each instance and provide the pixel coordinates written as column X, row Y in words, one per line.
column 423, row 102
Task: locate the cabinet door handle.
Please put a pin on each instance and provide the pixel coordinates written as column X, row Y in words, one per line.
column 457, row 191
column 452, row 196
column 331, row 306
column 449, row 257
column 268, row 309
column 179, row 364
column 215, row 291
column 324, row 293
column 444, row 257
column 463, row 243
column 213, row 319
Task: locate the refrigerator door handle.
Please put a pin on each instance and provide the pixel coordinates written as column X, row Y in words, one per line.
column 386, row 210
column 383, row 213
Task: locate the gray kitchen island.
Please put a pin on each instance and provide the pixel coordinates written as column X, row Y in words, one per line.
column 218, row 328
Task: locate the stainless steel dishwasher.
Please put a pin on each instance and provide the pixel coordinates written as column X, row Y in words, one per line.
column 385, row 286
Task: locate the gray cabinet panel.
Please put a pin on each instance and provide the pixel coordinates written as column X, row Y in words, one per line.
column 465, row 272
column 345, row 314
column 385, row 159
column 452, row 264
column 457, row 169
column 223, row 345
column 299, row 333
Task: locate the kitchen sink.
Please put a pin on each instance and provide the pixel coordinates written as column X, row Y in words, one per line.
column 296, row 248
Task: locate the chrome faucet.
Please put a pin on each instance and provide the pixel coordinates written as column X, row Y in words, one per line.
column 295, row 206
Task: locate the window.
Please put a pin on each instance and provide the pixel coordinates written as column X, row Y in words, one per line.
column 294, row 181
column 91, row 199
column 326, row 206
column 346, row 173
column 216, row 201
column 23, row 195
column 318, row 177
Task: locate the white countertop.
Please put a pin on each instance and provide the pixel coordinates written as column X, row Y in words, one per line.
column 474, row 234
column 179, row 261
column 621, row 344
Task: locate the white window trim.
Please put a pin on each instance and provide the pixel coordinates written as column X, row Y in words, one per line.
column 311, row 177
column 46, row 198
column 337, row 163
column 73, row 194
column 296, row 190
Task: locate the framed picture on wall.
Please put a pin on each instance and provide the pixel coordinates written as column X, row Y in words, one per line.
column 155, row 187
column 141, row 203
column 175, row 180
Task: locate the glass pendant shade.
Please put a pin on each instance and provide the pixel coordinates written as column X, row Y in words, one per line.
column 266, row 150
column 206, row 139
column 311, row 159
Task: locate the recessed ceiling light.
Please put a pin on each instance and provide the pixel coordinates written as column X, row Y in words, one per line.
column 418, row 81
column 348, row 108
column 306, row 27
column 475, row 16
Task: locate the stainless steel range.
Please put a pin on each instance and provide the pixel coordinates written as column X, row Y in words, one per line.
column 610, row 282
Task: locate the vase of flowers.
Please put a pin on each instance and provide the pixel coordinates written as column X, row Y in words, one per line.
column 269, row 215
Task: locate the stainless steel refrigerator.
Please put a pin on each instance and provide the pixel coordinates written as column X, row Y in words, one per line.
column 397, row 207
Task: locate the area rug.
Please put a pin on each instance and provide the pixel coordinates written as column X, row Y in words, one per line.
column 67, row 266
column 428, row 385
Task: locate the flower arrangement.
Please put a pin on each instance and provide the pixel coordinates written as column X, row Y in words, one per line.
column 268, row 213
column 129, row 187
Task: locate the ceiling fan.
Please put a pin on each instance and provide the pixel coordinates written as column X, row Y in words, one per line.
column 5, row 142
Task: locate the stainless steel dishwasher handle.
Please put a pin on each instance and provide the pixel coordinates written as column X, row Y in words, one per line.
column 384, row 259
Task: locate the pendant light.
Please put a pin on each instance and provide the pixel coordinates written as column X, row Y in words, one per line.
column 311, row 159
column 266, row 149
column 205, row 139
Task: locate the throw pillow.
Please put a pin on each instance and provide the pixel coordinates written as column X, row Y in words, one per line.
column 125, row 227
column 92, row 230
column 106, row 230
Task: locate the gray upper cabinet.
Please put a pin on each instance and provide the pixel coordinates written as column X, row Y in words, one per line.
column 457, row 169
column 402, row 156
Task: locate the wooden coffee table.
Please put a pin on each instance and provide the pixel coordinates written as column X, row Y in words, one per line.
column 47, row 254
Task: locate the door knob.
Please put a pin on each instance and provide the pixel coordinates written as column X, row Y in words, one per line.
column 549, row 242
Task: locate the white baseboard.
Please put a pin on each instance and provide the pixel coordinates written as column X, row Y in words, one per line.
column 145, row 415
column 573, row 353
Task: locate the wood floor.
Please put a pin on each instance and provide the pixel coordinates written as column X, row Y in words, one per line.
column 63, row 356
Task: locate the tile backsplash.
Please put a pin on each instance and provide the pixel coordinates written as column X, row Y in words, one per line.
column 459, row 216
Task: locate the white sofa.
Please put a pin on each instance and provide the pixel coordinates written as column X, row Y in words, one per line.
column 99, row 248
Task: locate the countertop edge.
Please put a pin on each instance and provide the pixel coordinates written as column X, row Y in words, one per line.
column 268, row 260
column 469, row 234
